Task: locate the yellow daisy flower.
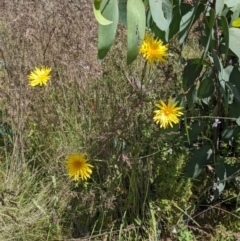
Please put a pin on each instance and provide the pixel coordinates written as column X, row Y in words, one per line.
column 39, row 76
column 153, row 49
column 236, row 23
column 77, row 166
column 167, row 114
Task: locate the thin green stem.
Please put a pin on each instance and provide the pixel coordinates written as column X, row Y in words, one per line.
column 212, row 117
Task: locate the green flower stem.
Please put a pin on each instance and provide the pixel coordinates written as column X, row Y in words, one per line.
column 211, row 117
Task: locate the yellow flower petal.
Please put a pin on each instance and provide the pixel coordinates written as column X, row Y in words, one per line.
column 39, row 76
column 153, row 49
column 236, row 23
column 77, row 167
column 167, row 114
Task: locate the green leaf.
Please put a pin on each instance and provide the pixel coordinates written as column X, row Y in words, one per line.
column 191, row 97
column 175, row 24
column 188, row 19
column 234, row 110
column 235, row 77
column 98, row 15
column 136, row 22
column 161, row 13
column 227, row 97
column 226, row 72
column 221, row 175
column 219, row 7
column 190, row 73
column 206, row 88
column 231, row 3
column 234, row 90
column 234, row 40
column 170, row 133
column 106, row 34
column 226, row 34
column 159, row 33
column 209, row 27
column 123, row 12
column 218, row 64
column 199, row 160
column 234, row 83
column 230, row 132
column 194, row 131
column 233, row 172
column 238, row 120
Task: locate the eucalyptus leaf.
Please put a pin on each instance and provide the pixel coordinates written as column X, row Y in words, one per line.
column 200, row 159
column 161, row 13
column 159, row 33
column 234, row 40
column 169, row 133
column 221, row 175
column 217, row 64
column 230, row 132
column 123, row 12
column 209, row 27
column 98, row 15
column 136, row 22
column 190, row 73
column 194, row 130
column 238, row 120
column 234, row 90
column 188, row 19
column 226, row 34
column 219, row 7
column 226, row 72
column 206, row 88
column 191, row 98
column 175, row 24
column 231, row 3
column 234, row 83
column 234, row 110
column 106, row 33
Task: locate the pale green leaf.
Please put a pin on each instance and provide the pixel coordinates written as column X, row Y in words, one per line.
column 161, row 11
column 219, row 7
column 98, row 15
column 234, row 40
column 106, row 33
column 238, row 120
column 136, row 24
column 231, row 3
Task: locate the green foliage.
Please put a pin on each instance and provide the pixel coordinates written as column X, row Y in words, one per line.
column 210, row 86
column 161, row 12
column 185, row 235
column 234, row 40
column 201, row 157
column 136, row 27
column 110, row 11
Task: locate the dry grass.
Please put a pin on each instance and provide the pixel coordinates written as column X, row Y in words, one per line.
column 61, row 35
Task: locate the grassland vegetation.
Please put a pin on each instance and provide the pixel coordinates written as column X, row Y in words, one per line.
column 137, row 189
